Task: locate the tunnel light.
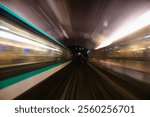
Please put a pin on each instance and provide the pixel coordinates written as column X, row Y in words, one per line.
column 105, row 23
column 88, row 51
column 126, row 29
column 14, row 37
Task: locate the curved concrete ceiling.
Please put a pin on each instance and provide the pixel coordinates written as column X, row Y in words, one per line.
column 86, row 23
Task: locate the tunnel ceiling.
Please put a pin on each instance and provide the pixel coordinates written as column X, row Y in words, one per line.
column 85, row 23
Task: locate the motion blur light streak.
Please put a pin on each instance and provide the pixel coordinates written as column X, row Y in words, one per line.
column 22, row 46
column 65, row 34
column 29, row 54
column 142, row 48
column 4, row 28
column 88, row 23
column 148, row 36
column 126, row 29
column 8, row 35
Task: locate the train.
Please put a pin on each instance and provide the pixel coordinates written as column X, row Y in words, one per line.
column 23, row 43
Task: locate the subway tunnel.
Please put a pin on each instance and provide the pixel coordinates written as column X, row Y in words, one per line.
column 74, row 49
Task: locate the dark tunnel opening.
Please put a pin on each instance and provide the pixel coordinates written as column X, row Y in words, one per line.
column 80, row 54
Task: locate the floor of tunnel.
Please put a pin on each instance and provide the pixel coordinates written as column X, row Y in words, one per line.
column 87, row 81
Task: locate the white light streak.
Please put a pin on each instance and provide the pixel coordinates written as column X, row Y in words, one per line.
column 148, row 36
column 126, row 29
column 65, row 34
column 142, row 48
column 22, row 46
column 4, row 28
column 14, row 37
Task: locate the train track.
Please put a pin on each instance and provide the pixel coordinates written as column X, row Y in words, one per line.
column 86, row 81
